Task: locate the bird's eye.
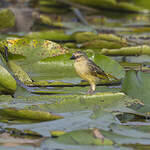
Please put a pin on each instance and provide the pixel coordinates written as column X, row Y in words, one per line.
column 77, row 56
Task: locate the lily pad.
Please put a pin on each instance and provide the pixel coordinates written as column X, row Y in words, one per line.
column 54, row 35
column 7, row 82
column 28, row 114
column 127, row 51
column 33, row 50
column 7, row 140
column 137, row 85
column 83, row 137
column 109, row 65
column 52, row 67
column 19, row 73
column 73, row 103
column 57, row 133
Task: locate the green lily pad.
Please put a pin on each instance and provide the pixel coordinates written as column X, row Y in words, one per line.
column 83, row 137
column 71, row 103
column 7, row 82
column 54, row 35
column 137, row 85
column 33, row 50
column 57, row 133
column 129, row 131
column 52, row 66
column 109, row 65
column 19, row 73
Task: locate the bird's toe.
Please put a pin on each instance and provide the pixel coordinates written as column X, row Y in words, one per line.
column 89, row 92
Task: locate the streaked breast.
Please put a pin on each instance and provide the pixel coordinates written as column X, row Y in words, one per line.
column 82, row 70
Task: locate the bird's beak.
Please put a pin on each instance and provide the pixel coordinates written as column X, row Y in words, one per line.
column 73, row 57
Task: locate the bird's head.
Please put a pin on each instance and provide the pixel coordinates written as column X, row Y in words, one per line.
column 78, row 55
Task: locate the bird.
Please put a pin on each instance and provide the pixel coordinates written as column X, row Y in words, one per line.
column 88, row 70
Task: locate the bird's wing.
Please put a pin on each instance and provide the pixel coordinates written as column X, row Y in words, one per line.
column 111, row 76
column 96, row 70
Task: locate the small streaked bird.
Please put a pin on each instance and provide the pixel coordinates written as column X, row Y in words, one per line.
column 88, row 70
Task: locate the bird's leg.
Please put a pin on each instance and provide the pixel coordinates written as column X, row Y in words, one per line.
column 92, row 89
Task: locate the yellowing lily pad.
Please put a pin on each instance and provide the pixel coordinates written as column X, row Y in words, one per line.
column 28, row 114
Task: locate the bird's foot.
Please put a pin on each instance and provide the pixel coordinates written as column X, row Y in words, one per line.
column 89, row 92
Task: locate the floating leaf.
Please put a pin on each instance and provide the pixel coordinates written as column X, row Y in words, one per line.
column 19, row 73
column 22, row 133
column 53, row 66
column 7, row 140
column 137, row 85
column 81, row 137
column 57, row 133
column 33, row 50
column 128, row 51
column 7, row 82
column 71, row 103
column 109, row 66
column 54, row 35
column 28, row 114
column 129, row 131
column 112, row 5
column 89, row 36
column 99, row 41
column 99, row 44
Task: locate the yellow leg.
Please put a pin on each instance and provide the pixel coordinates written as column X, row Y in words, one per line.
column 92, row 88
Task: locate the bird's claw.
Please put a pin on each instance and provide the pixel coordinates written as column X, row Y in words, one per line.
column 89, row 92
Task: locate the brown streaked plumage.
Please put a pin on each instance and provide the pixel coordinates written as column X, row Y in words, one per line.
column 88, row 70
